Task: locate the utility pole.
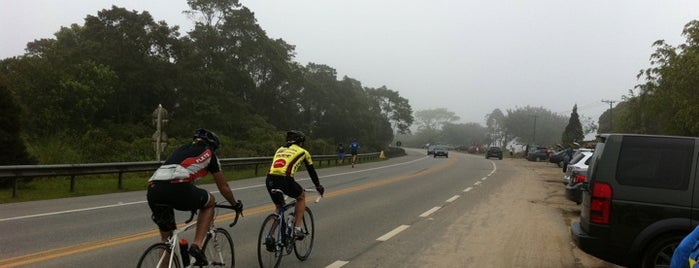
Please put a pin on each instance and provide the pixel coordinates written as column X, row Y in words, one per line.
column 534, row 135
column 611, row 127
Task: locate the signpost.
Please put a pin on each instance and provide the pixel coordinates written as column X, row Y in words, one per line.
column 159, row 137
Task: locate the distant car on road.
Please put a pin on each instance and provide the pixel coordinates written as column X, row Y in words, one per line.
column 494, row 151
column 430, row 149
column 441, row 151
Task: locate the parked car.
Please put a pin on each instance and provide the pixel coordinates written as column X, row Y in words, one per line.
column 577, row 155
column 441, row 151
column 493, row 151
column 539, row 154
column 557, row 158
column 640, row 201
column 576, row 176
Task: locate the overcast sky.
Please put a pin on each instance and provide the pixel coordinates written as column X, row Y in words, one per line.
column 468, row 56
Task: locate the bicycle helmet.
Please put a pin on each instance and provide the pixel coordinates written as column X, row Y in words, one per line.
column 209, row 137
column 295, row 137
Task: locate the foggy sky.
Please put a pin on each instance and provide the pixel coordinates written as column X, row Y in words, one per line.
column 469, row 57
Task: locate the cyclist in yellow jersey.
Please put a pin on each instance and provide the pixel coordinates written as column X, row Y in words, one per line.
column 281, row 174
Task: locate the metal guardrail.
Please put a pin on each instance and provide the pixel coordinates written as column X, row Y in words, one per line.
column 33, row 171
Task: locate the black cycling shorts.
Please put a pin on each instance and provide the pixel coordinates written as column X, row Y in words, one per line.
column 164, row 196
column 287, row 184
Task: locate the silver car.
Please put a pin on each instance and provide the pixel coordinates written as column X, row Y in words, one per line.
column 576, row 175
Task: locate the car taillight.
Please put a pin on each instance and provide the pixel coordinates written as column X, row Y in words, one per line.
column 600, row 203
column 580, row 178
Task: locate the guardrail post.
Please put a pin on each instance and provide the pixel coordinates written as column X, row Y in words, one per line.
column 14, row 187
column 72, row 183
column 256, row 166
column 119, row 185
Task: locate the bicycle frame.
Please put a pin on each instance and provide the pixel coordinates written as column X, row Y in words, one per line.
column 173, row 244
column 280, row 232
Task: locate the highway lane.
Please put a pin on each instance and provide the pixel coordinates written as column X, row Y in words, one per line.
column 361, row 205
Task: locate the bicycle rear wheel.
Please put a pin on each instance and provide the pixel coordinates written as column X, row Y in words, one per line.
column 156, row 256
column 219, row 249
column 269, row 246
column 302, row 248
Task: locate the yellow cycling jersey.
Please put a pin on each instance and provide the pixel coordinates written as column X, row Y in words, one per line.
column 288, row 159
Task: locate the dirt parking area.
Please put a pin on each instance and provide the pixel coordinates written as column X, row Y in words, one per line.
column 525, row 227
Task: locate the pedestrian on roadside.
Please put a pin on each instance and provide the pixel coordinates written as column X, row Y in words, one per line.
column 340, row 154
column 354, row 148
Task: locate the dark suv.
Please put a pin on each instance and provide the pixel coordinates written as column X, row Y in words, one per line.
column 493, row 152
column 639, row 201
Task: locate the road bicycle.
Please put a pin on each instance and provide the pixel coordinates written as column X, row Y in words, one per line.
column 277, row 238
column 218, row 247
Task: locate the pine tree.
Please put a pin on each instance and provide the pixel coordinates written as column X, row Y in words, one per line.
column 573, row 131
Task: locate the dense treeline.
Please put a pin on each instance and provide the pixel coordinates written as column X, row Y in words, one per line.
column 88, row 94
column 668, row 100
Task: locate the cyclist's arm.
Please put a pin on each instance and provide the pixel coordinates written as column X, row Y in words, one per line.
column 224, row 188
column 313, row 174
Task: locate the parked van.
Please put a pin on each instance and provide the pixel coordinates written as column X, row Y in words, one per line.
column 641, row 199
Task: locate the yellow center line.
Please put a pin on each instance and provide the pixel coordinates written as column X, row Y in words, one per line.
column 99, row 244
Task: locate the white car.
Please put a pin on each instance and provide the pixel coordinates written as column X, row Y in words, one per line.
column 577, row 165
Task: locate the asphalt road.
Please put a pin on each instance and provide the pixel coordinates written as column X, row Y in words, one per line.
column 411, row 211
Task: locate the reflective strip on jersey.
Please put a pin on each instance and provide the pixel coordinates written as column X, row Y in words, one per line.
column 191, row 169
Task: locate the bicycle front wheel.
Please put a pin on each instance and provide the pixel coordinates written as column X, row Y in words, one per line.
column 158, row 255
column 303, row 247
column 219, row 249
column 269, row 246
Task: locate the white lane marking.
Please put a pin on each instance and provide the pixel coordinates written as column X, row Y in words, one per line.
column 390, row 234
column 477, row 183
column 427, row 213
column 468, row 189
column 72, row 210
column 337, row 264
column 234, row 189
column 484, row 178
column 453, row 198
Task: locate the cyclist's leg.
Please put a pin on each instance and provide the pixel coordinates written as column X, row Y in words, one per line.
column 162, row 214
column 188, row 197
column 206, row 216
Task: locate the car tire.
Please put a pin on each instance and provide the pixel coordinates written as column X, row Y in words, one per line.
column 659, row 252
column 500, row 158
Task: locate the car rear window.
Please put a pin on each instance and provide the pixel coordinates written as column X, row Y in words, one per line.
column 655, row 162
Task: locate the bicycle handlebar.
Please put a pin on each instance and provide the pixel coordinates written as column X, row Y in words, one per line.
column 307, row 190
column 238, row 211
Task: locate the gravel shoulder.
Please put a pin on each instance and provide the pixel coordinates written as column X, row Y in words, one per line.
column 524, row 224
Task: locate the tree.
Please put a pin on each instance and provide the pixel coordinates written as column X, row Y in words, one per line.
column 497, row 132
column 573, row 131
column 535, row 125
column 430, row 122
column 668, row 100
column 464, row 134
column 396, row 108
column 14, row 150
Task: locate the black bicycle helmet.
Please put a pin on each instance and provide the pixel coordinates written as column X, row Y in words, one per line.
column 295, row 137
column 209, row 137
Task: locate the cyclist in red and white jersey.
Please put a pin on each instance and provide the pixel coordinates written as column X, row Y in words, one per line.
column 171, row 187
